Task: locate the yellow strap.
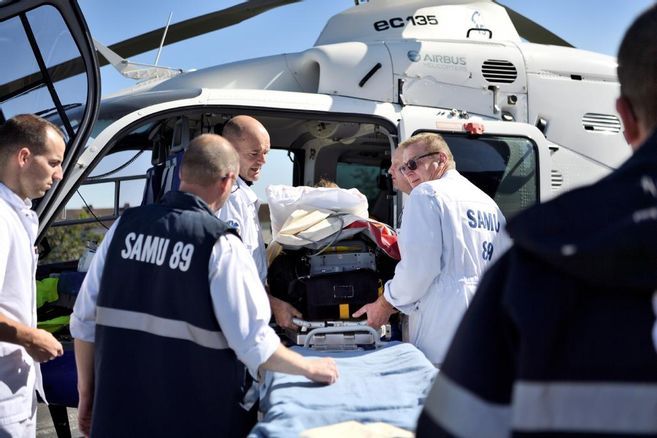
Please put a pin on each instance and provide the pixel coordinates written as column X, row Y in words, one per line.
column 344, row 311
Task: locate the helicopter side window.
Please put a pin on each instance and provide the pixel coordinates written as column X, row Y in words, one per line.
column 115, row 184
column 364, row 177
column 504, row 167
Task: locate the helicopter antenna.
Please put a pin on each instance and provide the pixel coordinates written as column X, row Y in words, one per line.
column 164, row 35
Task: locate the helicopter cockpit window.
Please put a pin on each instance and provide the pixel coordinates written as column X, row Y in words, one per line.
column 502, row 166
column 45, row 55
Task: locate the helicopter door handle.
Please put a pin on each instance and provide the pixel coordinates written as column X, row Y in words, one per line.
column 480, row 29
column 494, row 89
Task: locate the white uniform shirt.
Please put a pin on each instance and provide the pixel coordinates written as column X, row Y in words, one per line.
column 239, row 300
column 18, row 260
column 451, row 230
column 241, row 212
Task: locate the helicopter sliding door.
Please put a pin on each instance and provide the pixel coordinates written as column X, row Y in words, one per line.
column 508, row 161
column 52, row 68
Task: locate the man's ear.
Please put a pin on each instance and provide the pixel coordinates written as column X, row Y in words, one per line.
column 632, row 132
column 226, row 184
column 436, row 170
column 23, row 156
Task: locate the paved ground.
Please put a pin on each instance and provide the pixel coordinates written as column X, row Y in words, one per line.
column 45, row 427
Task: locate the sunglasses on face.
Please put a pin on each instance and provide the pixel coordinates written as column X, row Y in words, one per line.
column 412, row 163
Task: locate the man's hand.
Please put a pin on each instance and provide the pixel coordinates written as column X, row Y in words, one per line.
column 322, row 370
column 43, row 346
column 284, row 360
column 39, row 344
column 84, row 413
column 283, row 313
column 378, row 312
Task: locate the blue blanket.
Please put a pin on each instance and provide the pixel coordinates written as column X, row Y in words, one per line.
column 386, row 385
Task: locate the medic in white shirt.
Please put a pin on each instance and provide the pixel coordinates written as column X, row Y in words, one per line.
column 148, row 325
column 251, row 140
column 450, row 231
column 31, row 155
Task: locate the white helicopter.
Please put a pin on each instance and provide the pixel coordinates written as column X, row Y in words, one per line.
column 525, row 120
column 378, row 73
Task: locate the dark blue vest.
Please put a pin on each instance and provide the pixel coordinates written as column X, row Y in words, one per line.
column 164, row 384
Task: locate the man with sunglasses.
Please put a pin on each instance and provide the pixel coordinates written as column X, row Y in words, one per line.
column 450, row 231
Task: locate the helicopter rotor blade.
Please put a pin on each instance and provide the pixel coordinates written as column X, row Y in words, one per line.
column 149, row 41
column 196, row 26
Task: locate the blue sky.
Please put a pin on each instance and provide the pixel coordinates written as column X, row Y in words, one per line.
column 595, row 25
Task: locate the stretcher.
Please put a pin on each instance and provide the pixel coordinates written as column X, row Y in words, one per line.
column 336, row 335
column 388, row 384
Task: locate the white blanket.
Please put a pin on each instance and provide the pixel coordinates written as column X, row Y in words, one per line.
column 310, row 216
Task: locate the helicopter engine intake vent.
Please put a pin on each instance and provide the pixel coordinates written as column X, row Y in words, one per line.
column 556, row 179
column 602, row 123
column 499, row 71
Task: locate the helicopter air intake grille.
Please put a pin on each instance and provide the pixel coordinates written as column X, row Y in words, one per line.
column 602, row 123
column 556, row 180
column 499, row 71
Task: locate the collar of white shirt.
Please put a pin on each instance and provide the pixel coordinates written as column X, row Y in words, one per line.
column 248, row 191
column 13, row 199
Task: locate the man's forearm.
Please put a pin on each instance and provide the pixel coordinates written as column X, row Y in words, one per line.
column 285, row 361
column 14, row 332
column 39, row 344
column 84, row 359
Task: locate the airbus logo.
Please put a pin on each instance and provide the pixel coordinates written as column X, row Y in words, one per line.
column 414, row 55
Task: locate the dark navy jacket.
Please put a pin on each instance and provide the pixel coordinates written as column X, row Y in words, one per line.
column 162, row 366
column 557, row 341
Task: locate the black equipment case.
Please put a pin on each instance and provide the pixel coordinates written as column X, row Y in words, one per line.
column 327, row 286
column 336, row 295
